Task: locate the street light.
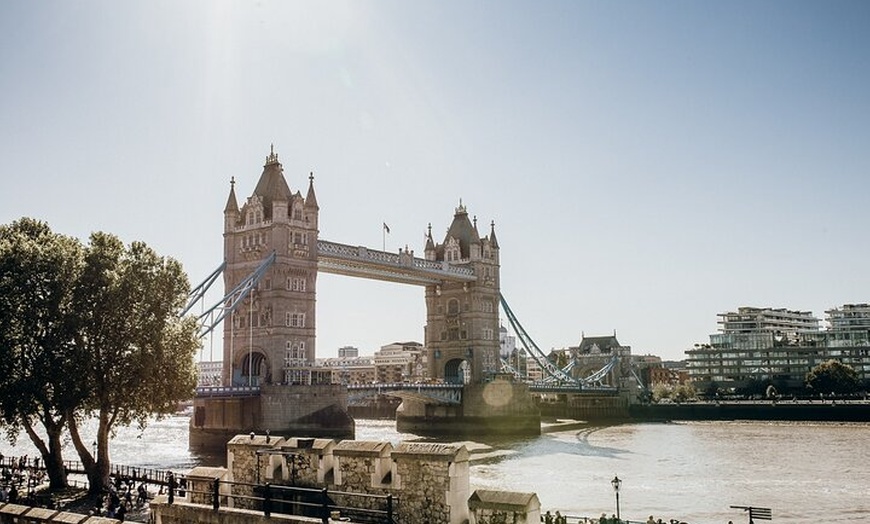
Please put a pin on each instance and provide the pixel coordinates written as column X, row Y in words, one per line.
column 616, row 483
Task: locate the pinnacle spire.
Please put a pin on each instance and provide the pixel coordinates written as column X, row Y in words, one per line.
column 311, row 198
column 232, row 204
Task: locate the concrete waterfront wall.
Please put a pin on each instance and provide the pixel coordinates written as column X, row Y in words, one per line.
column 587, row 407
column 781, row 410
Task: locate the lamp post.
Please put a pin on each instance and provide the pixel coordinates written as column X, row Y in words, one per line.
column 616, row 483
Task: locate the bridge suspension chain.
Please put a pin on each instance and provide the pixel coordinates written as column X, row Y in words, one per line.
column 533, row 349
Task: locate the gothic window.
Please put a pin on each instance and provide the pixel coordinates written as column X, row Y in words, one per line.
column 487, row 334
column 296, row 320
column 453, row 307
column 453, row 334
column 297, row 212
column 296, row 284
column 444, row 335
column 463, row 334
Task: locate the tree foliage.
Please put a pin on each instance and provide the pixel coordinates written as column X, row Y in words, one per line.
column 834, row 377
column 38, row 270
column 89, row 332
column 138, row 353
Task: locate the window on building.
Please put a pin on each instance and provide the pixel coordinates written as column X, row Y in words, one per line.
column 296, row 320
column 453, row 307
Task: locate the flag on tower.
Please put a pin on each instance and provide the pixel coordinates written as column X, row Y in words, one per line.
column 386, row 227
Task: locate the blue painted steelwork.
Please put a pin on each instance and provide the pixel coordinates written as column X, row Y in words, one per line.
column 198, row 293
column 554, row 374
column 210, row 318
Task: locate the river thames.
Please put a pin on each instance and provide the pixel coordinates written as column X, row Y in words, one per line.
column 693, row 471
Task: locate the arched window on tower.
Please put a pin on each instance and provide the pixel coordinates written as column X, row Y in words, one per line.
column 453, row 307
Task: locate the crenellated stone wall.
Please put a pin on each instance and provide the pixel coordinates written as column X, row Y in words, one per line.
column 428, row 483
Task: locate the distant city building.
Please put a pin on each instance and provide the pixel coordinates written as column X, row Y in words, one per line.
column 507, row 343
column 393, row 363
column 401, row 362
column 348, row 351
column 534, row 373
column 208, row 373
column 780, row 345
column 850, row 317
column 349, row 371
column 593, row 354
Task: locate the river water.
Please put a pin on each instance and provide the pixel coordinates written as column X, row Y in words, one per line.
column 693, row 471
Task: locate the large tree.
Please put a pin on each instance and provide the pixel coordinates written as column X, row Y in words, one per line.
column 88, row 332
column 834, row 377
column 38, row 383
column 139, row 353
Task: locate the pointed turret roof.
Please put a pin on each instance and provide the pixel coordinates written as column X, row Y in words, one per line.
column 272, row 185
column 492, row 240
column 462, row 230
column 430, row 244
column 232, row 204
column 311, row 199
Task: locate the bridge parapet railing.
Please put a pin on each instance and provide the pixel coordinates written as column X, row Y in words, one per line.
column 227, row 391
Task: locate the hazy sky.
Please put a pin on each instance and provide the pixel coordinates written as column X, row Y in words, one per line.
column 648, row 165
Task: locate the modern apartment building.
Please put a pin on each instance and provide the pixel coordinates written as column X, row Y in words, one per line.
column 780, row 345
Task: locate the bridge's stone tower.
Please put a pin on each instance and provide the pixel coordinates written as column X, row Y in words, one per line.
column 271, row 337
column 462, row 317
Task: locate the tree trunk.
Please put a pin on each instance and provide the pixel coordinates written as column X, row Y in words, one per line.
column 96, row 467
column 52, row 456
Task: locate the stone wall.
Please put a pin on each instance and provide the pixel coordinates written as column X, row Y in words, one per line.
column 18, row 514
column 501, row 507
column 427, row 483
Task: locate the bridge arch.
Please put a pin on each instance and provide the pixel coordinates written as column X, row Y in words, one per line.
column 457, row 371
column 253, row 369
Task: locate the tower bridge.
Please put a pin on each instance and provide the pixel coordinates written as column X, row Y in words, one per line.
column 273, row 254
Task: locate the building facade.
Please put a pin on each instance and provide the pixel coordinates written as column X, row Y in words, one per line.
column 462, row 317
column 781, row 346
column 270, row 338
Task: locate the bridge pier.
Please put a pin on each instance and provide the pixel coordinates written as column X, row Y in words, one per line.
column 312, row 411
column 498, row 407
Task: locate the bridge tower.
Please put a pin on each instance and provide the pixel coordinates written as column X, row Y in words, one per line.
column 271, row 337
column 462, row 317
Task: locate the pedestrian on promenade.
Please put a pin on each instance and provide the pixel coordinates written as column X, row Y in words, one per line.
column 650, row 520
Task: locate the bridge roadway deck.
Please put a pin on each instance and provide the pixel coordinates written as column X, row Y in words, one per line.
column 444, row 393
